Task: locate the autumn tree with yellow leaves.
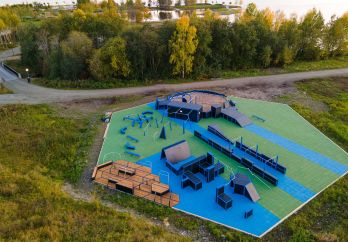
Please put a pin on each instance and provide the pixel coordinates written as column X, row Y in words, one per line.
column 183, row 45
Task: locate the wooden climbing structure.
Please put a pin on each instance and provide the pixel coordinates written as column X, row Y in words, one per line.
column 134, row 179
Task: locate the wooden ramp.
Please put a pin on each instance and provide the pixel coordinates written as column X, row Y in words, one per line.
column 136, row 180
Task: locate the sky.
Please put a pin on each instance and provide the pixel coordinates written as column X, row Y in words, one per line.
column 300, row 7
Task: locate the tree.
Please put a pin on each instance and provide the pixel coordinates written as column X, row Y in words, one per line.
column 139, row 11
column 143, row 51
column 76, row 51
column 30, row 53
column 250, row 13
column 203, row 52
column 164, row 4
column 311, row 37
column 2, row 25
column 79, row 2
column 266, row 56
column 183, row 45
column 336, row 36
column 221, row 45
column 9, row 18
column 111, row 61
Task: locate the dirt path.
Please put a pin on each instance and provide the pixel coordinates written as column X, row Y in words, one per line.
column 28, row 93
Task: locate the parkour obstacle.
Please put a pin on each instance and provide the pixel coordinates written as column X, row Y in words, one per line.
column 242, row 185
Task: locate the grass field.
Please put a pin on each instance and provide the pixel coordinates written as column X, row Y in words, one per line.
column 38, row 151
column 4, row 90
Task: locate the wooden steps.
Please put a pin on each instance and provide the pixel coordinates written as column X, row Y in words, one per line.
column 135, row 179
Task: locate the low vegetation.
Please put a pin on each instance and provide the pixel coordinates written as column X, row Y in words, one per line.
column 324, row 103
column 330, row 101
column 297, row 66
column 39, row 150
column 4, row 90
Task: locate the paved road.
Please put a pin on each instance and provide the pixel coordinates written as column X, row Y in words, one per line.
column 8, row 53
column 28, row 93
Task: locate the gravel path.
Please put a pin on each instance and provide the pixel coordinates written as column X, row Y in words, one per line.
column 29, row 93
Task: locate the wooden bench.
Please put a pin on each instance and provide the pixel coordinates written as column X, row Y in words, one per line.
column 126, row 170
column 159, row 188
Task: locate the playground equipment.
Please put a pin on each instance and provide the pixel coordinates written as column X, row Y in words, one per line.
column 202, row 104
column 107, row 117
column 233, row 115
column 231, row 153
column 259, row 118
column 216, row 130
column 242, row 185
column 271, row 162
column 147, row 128
column 132, row 153
column 222, row 198
column 132, row 138
column 140, row 119
column 190, row 179
column 129, row 146
column 179, row 160
column 147, row 113
column 163, row 133
column 134, row 179
column 123, row 130
column 249, row 213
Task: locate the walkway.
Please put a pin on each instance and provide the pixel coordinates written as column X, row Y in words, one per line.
column 29, row 93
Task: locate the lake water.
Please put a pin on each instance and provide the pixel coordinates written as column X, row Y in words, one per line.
column 300, row 7
column 161, row 15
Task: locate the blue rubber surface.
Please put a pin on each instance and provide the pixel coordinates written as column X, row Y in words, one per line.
column 313, row 156
column 202, row 202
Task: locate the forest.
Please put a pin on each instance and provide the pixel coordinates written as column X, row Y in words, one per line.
column 103, row 46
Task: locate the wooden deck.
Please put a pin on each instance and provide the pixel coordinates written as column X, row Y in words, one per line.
column 135, row 179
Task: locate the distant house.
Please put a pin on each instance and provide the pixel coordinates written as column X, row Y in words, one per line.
column 6, row 37
column 154, row 3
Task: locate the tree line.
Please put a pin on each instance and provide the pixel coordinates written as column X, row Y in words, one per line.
column 105, row 46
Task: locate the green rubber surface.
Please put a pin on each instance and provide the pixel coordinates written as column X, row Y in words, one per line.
column 284, row 121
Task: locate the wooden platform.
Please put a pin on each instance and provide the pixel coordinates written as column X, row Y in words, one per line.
column 134, row 179
column 204, row 99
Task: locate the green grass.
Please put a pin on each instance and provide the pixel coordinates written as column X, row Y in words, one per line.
column 339, row 62
column 297, row 66
column 38, row 151
column 332, row 92
column 4, row 90
column 92, row 84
